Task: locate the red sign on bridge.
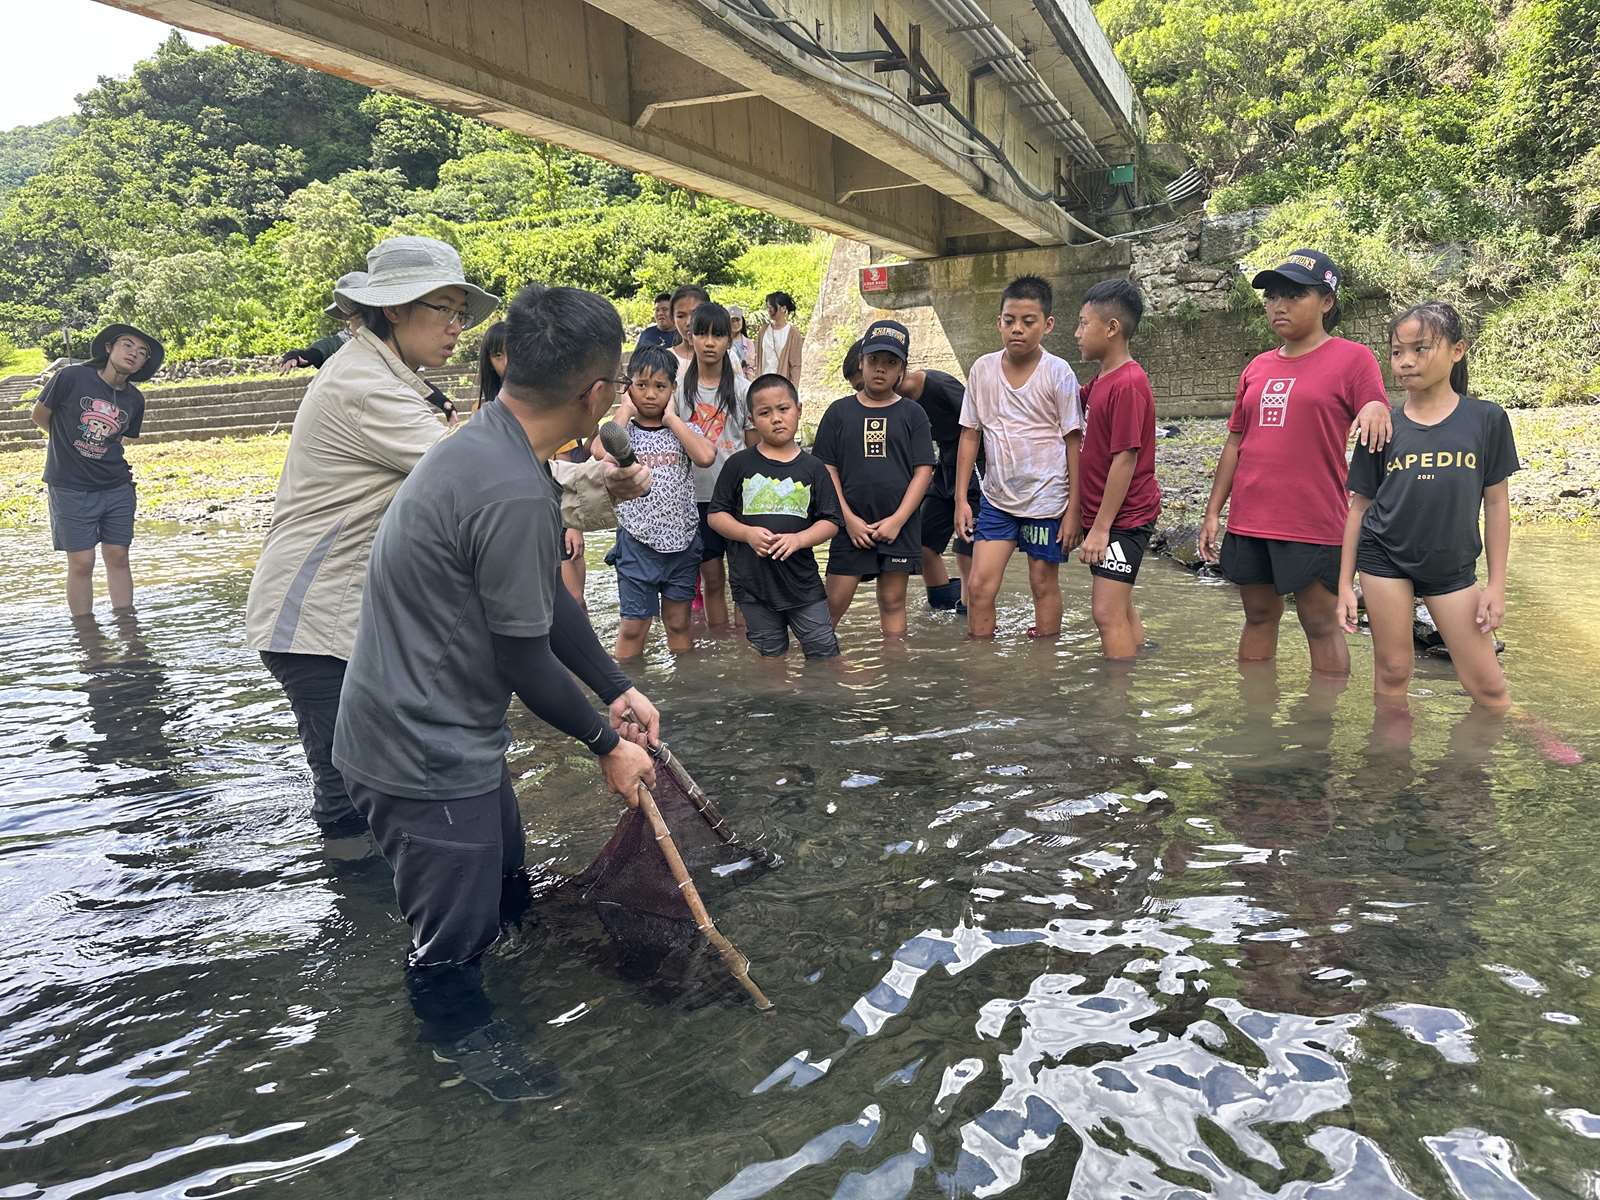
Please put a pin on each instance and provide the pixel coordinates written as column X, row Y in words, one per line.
column 874, row 279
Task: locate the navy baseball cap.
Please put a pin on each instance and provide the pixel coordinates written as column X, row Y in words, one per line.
column 1305, row 268
column 889, row 336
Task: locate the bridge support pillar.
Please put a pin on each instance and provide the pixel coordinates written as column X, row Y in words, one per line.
column 963, row 292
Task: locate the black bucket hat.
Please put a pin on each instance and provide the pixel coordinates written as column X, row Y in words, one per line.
column 100, row 351
column 1304, row 268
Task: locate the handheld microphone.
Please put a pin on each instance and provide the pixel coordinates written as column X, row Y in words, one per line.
column 615, row 439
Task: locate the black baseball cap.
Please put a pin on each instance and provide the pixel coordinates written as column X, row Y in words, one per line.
column 888, row 336
column 1305, row 268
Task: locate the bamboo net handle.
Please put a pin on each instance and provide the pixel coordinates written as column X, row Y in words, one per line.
column 738, row 965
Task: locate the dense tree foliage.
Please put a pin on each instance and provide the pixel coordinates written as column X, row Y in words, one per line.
column 1433, row 145
column 214, row 195
column 28, row 149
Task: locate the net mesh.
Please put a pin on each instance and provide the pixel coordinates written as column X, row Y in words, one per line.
column 630, row 883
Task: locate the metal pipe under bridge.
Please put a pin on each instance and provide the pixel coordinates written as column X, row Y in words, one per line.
column 926, row 128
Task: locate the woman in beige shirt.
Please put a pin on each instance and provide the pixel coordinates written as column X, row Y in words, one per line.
column 365, row 422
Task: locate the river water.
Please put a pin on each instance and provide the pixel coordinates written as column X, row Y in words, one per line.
column 1042, row 928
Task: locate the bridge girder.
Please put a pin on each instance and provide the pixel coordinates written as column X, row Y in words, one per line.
column 689, row 91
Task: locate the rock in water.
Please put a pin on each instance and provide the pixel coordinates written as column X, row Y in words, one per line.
column 1428, row 638
column 1180, row 542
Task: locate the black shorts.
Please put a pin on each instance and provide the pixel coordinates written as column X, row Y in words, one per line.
column 1287, row 566
column 1124, row 553
column 939, row 523
column 712, row 543
column 846, row 558
column 1373, row 559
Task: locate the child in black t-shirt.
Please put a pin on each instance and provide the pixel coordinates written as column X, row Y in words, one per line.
column 1413, row 525
column 88, row 411
column 879, row 451
column 941, row 395
column 773, row 502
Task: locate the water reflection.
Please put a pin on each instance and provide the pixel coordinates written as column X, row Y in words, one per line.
column 130, row 702
column 1043, row 928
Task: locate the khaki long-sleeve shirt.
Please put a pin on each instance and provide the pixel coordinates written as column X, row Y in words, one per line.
column 364, row 423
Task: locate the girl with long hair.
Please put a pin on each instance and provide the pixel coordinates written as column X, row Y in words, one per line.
column 711, row 397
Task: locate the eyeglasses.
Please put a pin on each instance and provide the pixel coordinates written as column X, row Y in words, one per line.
column 622, row 383
column 452, row 316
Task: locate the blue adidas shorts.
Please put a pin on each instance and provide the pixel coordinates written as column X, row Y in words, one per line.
column 1037, row 536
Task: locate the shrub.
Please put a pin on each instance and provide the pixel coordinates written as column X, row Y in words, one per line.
column 793, row 267
column 1372, row 262
column 1544, row 347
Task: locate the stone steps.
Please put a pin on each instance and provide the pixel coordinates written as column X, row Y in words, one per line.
column 12, row 387
column 196, row 412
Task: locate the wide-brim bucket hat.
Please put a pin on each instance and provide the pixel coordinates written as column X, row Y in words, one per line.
column 100, row 350
column 403, row 269
column 343, row 308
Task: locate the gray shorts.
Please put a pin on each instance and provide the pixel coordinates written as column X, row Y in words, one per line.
column 768, row 628
column 83, row 520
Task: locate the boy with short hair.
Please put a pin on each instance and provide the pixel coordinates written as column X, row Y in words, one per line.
column 663, row 333
column 657, row 555
column 941, row 396
column 878, row 450
column 87, row 411
column 1119, row 497
column 773, row 503
column 1022, row 406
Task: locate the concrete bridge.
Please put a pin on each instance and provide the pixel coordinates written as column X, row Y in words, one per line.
column 923, row 127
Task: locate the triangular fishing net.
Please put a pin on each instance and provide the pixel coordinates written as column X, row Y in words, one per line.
column 632, row 883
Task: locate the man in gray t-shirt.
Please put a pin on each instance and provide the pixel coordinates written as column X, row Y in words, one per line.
column 464, row 606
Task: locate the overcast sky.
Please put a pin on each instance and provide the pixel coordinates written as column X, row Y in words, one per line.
column 54, row 49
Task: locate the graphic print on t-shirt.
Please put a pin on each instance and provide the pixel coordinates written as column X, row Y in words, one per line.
column 710, row 420
column 764, row 497
column 665, row 517
column 875, row 437
column 99, row 422
column 1275, row 402
column 1426, row 464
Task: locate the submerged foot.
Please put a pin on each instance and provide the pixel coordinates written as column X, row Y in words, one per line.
column 493, row 1059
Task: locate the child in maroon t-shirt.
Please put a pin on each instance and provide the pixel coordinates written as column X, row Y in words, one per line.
column 1284, row 463
column 1119, row 496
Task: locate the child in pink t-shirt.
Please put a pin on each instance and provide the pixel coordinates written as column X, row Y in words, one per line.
column 1284, row 463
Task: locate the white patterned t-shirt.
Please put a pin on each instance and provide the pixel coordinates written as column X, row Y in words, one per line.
column 664, row 518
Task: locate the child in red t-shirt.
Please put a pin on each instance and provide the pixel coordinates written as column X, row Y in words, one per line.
column 1284, row 463
column 1119, row 496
